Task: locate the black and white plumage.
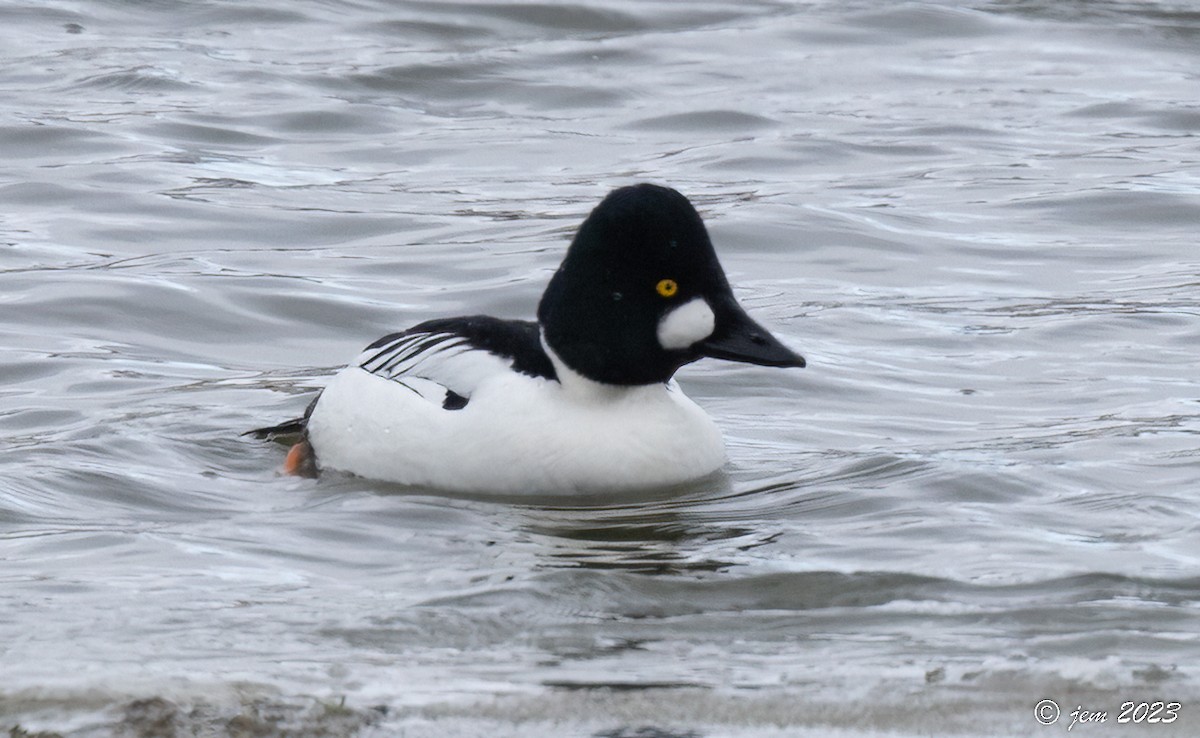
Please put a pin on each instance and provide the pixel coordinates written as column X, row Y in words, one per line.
column 581, row 400
column 456, row 354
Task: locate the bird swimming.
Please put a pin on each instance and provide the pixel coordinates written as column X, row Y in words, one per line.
column 581, row 400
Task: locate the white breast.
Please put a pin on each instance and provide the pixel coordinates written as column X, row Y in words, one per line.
column 517, row 435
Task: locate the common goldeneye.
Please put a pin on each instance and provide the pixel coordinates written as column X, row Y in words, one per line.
column 581, row 400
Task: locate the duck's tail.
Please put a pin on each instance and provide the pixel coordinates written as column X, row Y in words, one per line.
column 301, row 460
column 287, row 432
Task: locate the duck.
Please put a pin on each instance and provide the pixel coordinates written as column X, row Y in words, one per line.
column 581, row 400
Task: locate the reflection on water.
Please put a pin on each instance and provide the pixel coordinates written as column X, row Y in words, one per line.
column 663, row 539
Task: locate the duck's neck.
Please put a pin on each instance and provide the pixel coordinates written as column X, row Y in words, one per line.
column 578, row 386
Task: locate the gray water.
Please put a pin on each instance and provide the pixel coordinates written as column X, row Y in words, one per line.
column 977, row 220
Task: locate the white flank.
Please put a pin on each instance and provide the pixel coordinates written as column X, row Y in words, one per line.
column 516, row 435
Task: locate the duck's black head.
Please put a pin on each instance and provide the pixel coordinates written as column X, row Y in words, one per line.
column 641, row 293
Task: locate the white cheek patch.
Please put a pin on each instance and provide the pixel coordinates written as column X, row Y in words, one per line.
column 690, row 322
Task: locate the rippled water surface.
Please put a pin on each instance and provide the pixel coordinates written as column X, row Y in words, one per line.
column 977, row 220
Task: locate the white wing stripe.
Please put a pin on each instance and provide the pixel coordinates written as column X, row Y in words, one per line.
column 408, row 351
column 431, row 363
column 419, row 355
column 385, row 359
column 402, row 350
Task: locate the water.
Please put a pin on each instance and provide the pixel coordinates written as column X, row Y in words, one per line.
column 977, row 221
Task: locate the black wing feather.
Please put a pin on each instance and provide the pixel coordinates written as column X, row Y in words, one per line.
column 518, row 341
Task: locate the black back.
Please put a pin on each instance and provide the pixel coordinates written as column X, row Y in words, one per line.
column 518, row 340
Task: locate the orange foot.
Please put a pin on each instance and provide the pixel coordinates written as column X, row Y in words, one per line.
column 301, row 461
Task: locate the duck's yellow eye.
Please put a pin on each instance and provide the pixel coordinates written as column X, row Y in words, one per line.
column 667, row 287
